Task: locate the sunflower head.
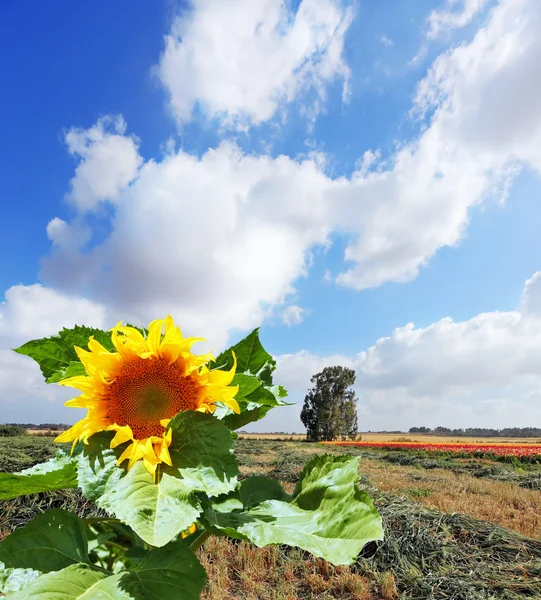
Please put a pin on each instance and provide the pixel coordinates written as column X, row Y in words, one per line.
column 136, row 390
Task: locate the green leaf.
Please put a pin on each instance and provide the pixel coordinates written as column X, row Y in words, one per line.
column 163, row 574
column 76, row 582
column 72, row 370
column 203, row 461
column 202, row 453
column 254, row 378
column 56, row 354
column 247, row 384
column 12, row 580
column 169, row 572
column 157, row 512
column 257, row 489
column 252, row 358
column 234, row 421
column 327, row 514
column 50, row 542
column 58, row 473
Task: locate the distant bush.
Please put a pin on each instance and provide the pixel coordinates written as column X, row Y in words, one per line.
column 11, row 431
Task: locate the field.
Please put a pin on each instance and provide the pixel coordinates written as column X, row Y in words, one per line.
column 397, row 437
column 456, row 528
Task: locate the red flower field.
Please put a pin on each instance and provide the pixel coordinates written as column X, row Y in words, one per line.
column 524, row 451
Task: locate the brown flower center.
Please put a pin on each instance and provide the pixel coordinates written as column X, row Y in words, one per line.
column 147, row 391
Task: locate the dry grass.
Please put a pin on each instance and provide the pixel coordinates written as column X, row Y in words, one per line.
column 240, row 571
column 500, row 502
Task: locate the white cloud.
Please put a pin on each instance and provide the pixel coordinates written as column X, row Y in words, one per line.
column 485, row 100
column 109, row 161
column 214, row 240
column 293, row 315
column 386, row 41
column 243, row 61
column 444, row 20
column 68, row 236
column 31, row 312
column 480, row 372
column 217, row 240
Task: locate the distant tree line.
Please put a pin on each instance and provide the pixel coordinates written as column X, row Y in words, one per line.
column 55, row 426
column 515, row 432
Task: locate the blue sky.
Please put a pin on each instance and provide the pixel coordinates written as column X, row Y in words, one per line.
column 359, row 179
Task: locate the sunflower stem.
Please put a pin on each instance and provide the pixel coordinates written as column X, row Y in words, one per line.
column 200, row 540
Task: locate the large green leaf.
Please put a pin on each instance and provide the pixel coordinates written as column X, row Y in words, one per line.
column 247, row 415
column 256, row 394
column 51, row 541
column 252, row 358
column 202, row 453
column 327, row 514
column 169, row 572
column 258, row 488
column 203, row 461
column 157, row 512
column 163, row 574
column 56, row 355
column 76, row 582
column 57, row 473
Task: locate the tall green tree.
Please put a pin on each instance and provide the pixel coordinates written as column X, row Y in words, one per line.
column 329, row 411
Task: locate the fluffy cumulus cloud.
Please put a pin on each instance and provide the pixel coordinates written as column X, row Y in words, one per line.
column 107, row 161
column 31, row 312
column 221, row 238
column 484, row 372
column 243, row 61
column 215, row 240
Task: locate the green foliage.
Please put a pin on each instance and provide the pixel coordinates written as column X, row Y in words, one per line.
column 56, row 355
column 327, row 514
column 79, row 581
column 329, row 410
column 257, row 394
column 252, row 358
column 139, row 554
column 55, row 543
column 202, row 453
column 11, row 431
column 172, row 572
column 203, row 461
column 157, row 512
column 56, row 474
column 53, row 540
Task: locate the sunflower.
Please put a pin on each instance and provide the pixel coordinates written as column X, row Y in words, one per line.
column 136, row 390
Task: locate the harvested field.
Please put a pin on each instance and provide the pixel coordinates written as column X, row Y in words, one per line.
column 455, row 529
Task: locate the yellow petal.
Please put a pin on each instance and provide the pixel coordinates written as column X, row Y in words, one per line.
column 123, row 434
column 232, row 404
column 155, row 336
